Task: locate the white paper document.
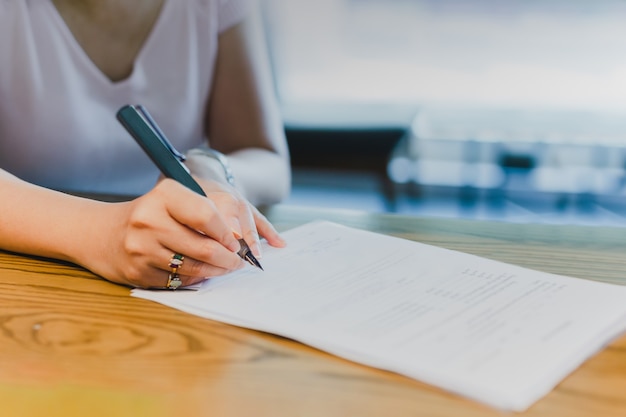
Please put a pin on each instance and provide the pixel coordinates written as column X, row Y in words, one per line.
column 490, row 331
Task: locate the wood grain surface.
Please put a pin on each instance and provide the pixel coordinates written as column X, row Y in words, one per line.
column 72, row 344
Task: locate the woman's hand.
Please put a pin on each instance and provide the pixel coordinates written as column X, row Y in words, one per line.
column 249, row 223
column 140, row 236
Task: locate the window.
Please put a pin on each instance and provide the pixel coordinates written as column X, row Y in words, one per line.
column 524, row 99
column 378, row 61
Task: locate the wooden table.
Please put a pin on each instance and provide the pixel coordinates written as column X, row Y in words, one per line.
column 72, row 344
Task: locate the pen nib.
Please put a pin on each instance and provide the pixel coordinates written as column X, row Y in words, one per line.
column 246, row 254
column 253, row 261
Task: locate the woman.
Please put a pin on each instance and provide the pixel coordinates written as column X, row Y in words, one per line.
column 67, row 66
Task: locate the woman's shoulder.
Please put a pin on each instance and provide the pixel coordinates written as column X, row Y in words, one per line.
column 228, row 12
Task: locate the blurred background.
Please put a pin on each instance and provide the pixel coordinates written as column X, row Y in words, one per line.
column 498, row 109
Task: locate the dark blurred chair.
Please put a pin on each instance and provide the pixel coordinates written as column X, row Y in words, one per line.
column 356, row 150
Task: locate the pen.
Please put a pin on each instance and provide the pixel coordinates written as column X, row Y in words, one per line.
column 138, row 122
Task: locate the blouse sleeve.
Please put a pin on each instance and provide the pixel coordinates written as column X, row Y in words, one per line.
column 231, row 12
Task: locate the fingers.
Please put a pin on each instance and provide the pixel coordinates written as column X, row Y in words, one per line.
column 267, row 230
column 237, row 212
column 249, row 230
column 160, row 264
column 202, row 215
column 250, row 222
column 156, row 278
column 201, row 250
column 172, row 219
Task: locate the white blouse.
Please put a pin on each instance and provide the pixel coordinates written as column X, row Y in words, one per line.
column 57, row 109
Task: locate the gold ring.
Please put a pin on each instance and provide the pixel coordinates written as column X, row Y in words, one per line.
column 173, row 279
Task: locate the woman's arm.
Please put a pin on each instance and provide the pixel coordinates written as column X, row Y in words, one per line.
column 243, row 120
column 131, row 242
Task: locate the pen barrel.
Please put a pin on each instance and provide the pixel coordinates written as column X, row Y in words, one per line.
column 154, row 147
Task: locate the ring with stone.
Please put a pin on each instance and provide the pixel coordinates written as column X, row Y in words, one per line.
column 173, row 279
column 176, row 262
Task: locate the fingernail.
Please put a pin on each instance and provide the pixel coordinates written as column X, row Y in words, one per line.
column 234, row 246
column 256, row 250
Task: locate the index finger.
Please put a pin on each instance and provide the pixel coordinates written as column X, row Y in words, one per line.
column 201, row 214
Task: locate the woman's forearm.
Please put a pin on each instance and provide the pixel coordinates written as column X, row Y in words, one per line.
column 261, row 176
column 129, row 242
column 48, row 223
